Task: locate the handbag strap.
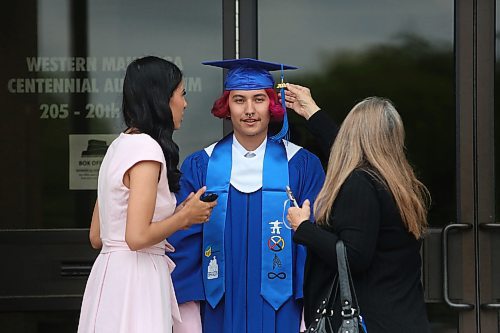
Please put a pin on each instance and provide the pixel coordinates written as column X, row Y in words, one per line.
column 332, row 295
column 345, row 282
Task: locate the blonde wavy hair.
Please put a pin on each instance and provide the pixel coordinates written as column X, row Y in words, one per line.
column 372, row 138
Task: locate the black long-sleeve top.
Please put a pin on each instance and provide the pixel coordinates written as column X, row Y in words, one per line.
column 384, row 257
column 324, row 129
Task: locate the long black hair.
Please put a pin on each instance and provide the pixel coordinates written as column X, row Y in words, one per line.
column 148, row 86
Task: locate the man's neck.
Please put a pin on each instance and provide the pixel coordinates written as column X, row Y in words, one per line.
column 250, row 143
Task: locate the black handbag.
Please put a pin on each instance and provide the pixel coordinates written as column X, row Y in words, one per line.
column 351, row 320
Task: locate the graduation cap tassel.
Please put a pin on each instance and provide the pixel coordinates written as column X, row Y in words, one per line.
column 283, row 133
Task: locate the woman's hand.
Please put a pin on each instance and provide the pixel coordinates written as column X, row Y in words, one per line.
column 297, row 215
column 195, row 210
column 300, row 100
column 182, row 204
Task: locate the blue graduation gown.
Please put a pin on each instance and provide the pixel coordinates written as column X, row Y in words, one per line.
column 242, row 309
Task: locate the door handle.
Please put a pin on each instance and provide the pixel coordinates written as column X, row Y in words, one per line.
column 444, row 235
column 490, row 226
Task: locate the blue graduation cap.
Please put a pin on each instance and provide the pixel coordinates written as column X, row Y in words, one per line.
column 248, row 73
column 253, row 74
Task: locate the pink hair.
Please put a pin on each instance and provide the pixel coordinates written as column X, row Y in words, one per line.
column 221, row 106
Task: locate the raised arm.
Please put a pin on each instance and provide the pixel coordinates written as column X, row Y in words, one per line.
column 319, row 123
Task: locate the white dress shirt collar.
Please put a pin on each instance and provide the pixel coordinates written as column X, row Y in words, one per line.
column 245, row 176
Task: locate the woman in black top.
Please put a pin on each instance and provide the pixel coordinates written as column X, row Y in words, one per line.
column 371, row 200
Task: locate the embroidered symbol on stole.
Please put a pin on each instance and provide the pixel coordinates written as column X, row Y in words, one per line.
column 275, row 229
column 208, row 251
column 276, row 262
column 276, row 243
column 213, row 269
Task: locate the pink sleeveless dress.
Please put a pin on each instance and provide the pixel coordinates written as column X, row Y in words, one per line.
column 129, row 291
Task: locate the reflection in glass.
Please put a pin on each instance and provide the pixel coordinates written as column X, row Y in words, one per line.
column 68, row 72
column 403, row 51
column 349, row 51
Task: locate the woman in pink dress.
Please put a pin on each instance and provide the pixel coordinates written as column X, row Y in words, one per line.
column 129, row 289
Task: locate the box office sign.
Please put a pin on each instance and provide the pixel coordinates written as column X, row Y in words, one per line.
column 86, row 152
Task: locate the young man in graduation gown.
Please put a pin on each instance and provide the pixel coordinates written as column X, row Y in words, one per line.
column 241, row 272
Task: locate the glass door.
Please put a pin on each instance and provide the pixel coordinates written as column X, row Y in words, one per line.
column 62, row 74
column 434, row 60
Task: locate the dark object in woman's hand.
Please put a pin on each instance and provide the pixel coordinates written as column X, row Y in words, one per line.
column 209, row 197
